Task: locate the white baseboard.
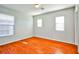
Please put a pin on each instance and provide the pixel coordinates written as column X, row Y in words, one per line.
column 53, row 39
column 15, row 40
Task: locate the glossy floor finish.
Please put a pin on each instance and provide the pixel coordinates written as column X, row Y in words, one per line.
column 35, row 45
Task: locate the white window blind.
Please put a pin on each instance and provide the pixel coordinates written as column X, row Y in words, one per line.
column 6, row 25
column 39, row 23
column 60, row 23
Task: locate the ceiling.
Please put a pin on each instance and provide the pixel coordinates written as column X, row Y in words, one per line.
column 30, row 9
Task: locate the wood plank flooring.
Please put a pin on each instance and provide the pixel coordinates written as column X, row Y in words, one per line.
column 36, row 45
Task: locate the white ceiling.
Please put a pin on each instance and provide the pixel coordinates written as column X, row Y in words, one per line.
column 30, row 9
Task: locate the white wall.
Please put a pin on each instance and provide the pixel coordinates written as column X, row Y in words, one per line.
column 78, row 27
column 78, row 24
column 23, row 26
column 48, row 29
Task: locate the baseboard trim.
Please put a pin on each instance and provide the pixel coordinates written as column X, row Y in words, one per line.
column 14, row 41
column 54, row 40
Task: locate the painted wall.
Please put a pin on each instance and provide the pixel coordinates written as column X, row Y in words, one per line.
column 78, row 27
column 78, row 23
column 23, row 26
column 48, row 29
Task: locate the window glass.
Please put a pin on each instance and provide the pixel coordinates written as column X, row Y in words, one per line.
column 6, row 25
column 60, row 23
column 39, row 23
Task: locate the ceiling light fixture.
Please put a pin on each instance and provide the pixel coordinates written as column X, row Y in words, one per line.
column 37, row 5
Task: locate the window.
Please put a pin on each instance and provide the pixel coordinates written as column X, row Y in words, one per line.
column 60, row 23
column 6, row 25
column 39, row 23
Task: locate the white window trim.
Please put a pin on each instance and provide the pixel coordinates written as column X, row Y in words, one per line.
column 61, row 26
column 8, row 22
column 39, row 23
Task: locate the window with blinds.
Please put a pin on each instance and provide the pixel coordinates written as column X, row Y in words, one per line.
column 6, row 25
column 60, row 23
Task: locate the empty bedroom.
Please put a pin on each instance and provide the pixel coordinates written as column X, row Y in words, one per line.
column 39, row 29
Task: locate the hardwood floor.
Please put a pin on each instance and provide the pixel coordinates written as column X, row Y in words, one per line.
column 35, row 45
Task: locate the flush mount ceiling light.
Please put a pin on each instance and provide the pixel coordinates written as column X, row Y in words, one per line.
column 39, row 6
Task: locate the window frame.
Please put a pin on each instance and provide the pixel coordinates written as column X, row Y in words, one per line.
column 60, row 23
column 39, row 25
column 13, row 26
